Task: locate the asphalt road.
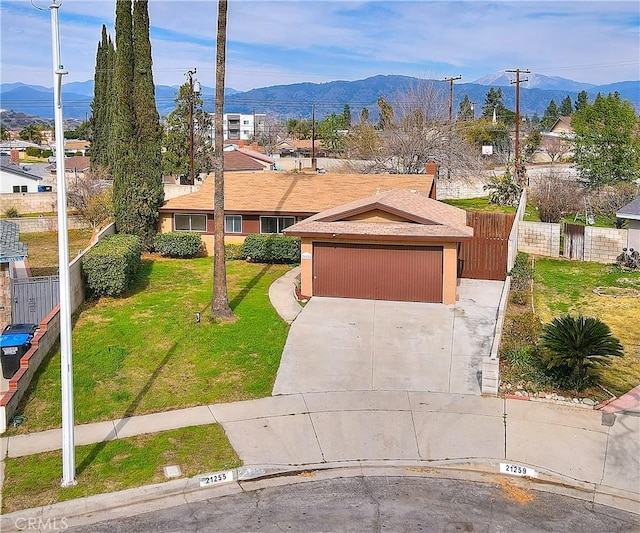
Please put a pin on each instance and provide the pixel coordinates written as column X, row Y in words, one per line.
column 392, row 504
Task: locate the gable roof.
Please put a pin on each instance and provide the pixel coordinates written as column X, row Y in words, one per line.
column 291, row 192
column 631, row 210
column 77, row 163
column 11, row 249
column 415, row 216
column 7, row 166
column 235, row 160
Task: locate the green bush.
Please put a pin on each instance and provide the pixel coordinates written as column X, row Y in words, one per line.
column 33, row 151
column 233, row 251
column 111, row 265
column 46, row 153
column 178, row 244
column 271, row 248
column 11, row 212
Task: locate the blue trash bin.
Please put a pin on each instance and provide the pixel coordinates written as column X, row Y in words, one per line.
column 12, row 347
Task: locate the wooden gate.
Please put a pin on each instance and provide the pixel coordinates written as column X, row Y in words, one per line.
column 32, row 299
column 573, row 241
column 485, row 256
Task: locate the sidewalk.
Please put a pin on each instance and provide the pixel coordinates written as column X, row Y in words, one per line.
column 566, row 445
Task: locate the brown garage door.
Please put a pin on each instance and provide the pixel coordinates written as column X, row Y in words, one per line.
column 378, row 272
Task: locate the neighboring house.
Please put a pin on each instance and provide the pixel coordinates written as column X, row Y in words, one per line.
column 72, row 147
column 300, row 148
column 396, row 245
column 20, row 146
column 16, row 178
column 557, row 143
column 269, row 202
column 631, row 212
column 268, row 163
column 74, row 167
column 12, row 251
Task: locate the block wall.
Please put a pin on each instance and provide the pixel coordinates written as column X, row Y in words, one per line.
column 603, row 245
column 539, row 238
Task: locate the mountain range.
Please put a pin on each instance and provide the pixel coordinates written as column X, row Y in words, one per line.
column 296, row 100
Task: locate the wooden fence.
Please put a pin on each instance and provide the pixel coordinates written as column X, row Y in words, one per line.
column 485, row 256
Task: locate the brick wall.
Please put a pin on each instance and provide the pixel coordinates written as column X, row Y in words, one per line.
column 539, row 238
column 603, row 245
column 456, row 189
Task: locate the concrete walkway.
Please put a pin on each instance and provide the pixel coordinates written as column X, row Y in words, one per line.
column 566, row 445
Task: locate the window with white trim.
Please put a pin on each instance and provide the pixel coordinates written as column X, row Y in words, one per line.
column 187, row 222
column 275, row 224
column 233, row 223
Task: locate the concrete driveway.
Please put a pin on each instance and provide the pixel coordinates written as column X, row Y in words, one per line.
column 340, row 344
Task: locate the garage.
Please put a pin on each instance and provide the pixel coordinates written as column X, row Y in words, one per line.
column 397, row 245
column 378, row 272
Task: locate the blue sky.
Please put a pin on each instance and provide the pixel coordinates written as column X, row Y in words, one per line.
column 274, row 42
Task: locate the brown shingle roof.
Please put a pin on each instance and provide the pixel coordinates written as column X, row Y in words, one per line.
column 421, row 217
column 291, row 192
column 235, row 160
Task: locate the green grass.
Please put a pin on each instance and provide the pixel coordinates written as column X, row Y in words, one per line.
column 42, row 248
column 563, row 286
column 145, row 353
column 479, row 204
column 34, row 480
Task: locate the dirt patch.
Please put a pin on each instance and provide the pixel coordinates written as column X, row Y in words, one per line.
column 617, row 292
column 512, row 492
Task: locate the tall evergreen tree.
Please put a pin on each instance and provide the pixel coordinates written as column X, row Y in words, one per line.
column 550, row 116
column 385, row 120
column 148, row 191
column 582, row 101
column 566, row 107
column 101, row 117
column 124, row 164
column 465, row 110
column 346, row 115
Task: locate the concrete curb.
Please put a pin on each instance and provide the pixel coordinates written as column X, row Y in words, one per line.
column 131, row 502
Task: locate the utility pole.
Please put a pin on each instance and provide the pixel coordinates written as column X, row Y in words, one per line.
column 313, row 137
column 519, row 170
column 190, row 74
column 451, row 80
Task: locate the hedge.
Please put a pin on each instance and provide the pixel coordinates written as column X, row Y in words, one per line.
column 178, row 244
column 271, row 248
column 111, row 265
column 233, row 251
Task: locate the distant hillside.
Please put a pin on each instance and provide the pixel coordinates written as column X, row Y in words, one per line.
column 297, row 100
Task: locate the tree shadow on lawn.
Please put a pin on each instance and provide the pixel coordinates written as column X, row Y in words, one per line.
column 130, row 411
column 237, row 299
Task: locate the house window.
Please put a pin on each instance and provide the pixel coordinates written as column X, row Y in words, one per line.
column 19, row 188
column 245, row 122
column 233, row 223
column 190, row 222
column 275, row 224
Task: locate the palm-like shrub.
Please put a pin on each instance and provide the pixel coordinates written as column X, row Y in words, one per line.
column 577, row 346
column 504, row 190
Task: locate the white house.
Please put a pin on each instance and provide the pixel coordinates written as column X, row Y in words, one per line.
column 15, row 178
column 240, row 127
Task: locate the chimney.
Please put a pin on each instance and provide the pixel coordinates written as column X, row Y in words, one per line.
column 15, row 156
column 431, row 170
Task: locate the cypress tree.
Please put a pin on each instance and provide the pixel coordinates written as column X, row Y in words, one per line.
column 566, row 107
column 101, row 107
column 148, row 192
column 124, row 143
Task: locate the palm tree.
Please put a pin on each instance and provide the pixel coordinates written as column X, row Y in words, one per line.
column 220, row 303
column 578, row 345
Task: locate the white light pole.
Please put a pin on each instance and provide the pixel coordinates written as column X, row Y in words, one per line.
column 66, row 367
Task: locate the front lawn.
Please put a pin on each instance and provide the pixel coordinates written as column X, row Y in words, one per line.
column 602, row 291
column 34, row 480
column 560, row 287
column 479, row 204
column 145, row 352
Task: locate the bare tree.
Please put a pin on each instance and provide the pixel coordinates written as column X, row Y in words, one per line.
column 609, row 199
column 220, row 302
column 91, row 195
column 555, row 196
column 418, row 132
column 556, row 147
